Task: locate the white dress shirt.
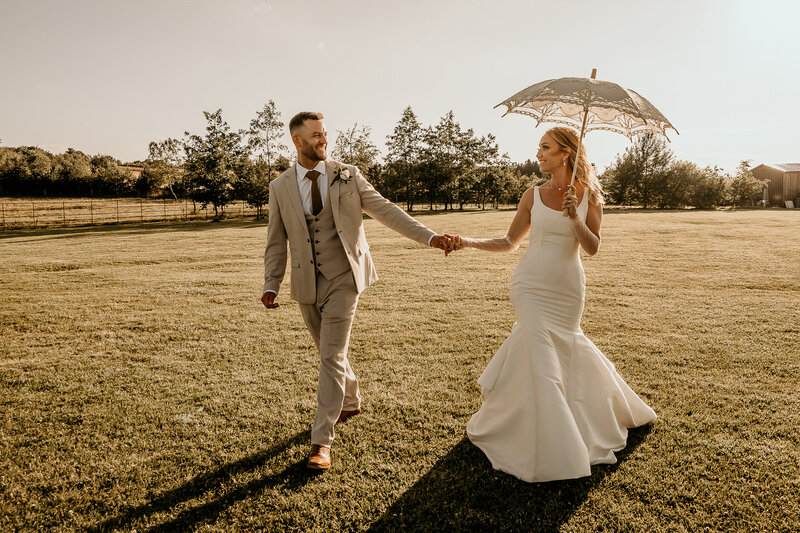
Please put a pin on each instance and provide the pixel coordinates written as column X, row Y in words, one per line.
column 304, row 184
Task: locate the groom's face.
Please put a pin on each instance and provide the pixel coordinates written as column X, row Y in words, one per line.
column 311, row 140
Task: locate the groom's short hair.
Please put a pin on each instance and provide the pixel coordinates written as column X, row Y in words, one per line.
column 301, row 117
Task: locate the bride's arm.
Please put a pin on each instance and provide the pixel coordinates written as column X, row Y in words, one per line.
column 588, row 233
column 519, row 227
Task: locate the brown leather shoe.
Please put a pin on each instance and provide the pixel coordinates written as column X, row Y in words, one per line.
column 319, row 458
column 344, row 415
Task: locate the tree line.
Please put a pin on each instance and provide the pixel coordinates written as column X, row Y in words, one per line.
column 31, row 171
column 435, row 165
column 647, row 174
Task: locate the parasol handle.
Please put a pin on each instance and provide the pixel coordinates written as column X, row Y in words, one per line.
column 578, row 153
column 580, row 141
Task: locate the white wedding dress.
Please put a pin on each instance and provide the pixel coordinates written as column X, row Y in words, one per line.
column 552, row 403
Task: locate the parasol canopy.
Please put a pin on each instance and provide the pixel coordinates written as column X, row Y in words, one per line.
column 588, row 104
column 604, row 105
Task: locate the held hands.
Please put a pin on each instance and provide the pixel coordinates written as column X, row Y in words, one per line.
column 445, row 242
column 457, row 242
column 570, row 203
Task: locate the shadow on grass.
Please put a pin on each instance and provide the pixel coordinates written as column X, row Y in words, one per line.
column 292, row 478
column 463, row 493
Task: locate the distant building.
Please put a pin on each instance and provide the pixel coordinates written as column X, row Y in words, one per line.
column 783, row 182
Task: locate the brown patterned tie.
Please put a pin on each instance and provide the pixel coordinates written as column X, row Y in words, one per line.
column 316, row 199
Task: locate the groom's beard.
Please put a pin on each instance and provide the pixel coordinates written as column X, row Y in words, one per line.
column 311, row 153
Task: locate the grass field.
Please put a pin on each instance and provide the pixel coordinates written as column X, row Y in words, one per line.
column 144, row 387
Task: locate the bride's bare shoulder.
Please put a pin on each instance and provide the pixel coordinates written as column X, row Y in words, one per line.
column 527, row 199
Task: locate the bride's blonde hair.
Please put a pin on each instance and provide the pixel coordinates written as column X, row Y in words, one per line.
column 567, row 138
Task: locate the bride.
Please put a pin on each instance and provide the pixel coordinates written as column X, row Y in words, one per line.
column 553, row 404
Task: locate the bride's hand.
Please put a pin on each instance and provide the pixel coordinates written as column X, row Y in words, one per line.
column 570, row 203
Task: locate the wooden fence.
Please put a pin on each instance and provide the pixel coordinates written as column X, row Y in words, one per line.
column 40, row 213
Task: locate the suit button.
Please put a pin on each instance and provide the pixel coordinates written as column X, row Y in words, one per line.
column 309, row 240
column 312, row 262
column 316, row 220
column 317, row 253
column 317, row 242
column 317, row 231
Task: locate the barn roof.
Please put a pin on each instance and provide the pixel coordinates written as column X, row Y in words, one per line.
column 785, row 167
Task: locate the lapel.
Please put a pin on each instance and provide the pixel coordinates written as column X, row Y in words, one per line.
column 294, row 194
column 333, row 190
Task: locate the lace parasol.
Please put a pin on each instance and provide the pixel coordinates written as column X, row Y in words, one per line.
column 606, row 105
column 588, row 104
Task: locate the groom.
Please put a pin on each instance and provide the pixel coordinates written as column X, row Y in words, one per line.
column 316, row 205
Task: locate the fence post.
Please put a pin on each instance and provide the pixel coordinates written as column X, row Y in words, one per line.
column 117, row 211
column 63, row 213
column 4, row 215
column 242, row 208
column 165, row 209
column 91, row 211
column 141, row 211
column 33, row 211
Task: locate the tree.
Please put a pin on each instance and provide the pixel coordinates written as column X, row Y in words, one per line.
column 163, row 168
column 107, row 176
column 677, row 185
column 72, row 171
column 264, row 136
column 282, row 163
column 637, row 176
column 710, row 189
column 476, row 156
column 252, row 184
column 354, row 147
column 529, row 168
column 447, row 155
column 212, row 162
column 35, row 167
column 744, row 187
column 404, row 148
column 264, row 141
column 488, row 160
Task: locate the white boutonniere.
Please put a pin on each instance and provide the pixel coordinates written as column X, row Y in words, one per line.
column 342, row 174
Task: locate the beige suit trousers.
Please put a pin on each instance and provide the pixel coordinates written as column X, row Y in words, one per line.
column 329, row 320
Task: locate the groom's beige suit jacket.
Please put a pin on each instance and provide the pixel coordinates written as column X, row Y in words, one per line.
column 348, row 197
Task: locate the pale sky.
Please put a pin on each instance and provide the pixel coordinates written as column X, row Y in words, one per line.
column 109, row 76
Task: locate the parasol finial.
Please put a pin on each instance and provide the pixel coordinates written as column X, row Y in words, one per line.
column 594, row 73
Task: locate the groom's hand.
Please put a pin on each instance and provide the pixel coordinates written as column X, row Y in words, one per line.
column 443, row 243
column 268, row 299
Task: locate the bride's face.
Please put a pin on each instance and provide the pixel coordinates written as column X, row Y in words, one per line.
column 550, row 154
